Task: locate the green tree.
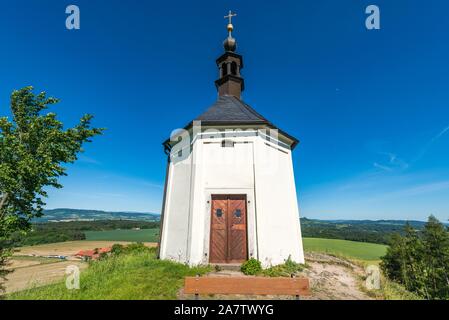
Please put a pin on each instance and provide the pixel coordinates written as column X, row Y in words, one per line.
column 420, row 261
column 33, row 148
column 436, row 255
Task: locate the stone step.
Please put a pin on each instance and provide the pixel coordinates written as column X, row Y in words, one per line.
column 228, row 266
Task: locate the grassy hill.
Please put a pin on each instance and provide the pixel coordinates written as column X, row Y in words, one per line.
column 144, row 235
column 356, row 230
column 351, row 249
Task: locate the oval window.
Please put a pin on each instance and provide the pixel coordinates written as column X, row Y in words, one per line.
column 219, row 213
column 238, row 213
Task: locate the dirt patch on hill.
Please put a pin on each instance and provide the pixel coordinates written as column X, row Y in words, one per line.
column 38, row 275
column 333, row 278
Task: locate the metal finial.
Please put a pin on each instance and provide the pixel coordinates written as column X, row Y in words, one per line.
column 230, row 43
column 229, row 17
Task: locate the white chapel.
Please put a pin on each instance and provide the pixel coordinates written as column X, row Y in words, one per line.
column 230, row 191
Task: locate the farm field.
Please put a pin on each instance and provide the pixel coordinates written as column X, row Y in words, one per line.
column 144, row 235
column 68, row 248
column 38, row 274
column 351, row 249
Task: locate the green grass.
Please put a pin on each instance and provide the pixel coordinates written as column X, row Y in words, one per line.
column 131, row 276
column 355, row 250
column 144, row 235
column 392, row 291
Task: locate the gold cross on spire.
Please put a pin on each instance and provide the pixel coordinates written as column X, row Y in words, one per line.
column 230, row 15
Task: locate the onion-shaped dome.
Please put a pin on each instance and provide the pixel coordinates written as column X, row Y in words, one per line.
column 230, row 44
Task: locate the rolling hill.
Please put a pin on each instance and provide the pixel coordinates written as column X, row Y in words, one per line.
column 64, row 214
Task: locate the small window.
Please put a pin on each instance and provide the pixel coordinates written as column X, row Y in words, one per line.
column 233, row 68
column 219, row 213
column 180, row 153
column 227, row 144
column 238, row 213
column 224, row 68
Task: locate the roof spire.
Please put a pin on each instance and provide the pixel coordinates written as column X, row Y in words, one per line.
column 230, row 81
column 230, row 43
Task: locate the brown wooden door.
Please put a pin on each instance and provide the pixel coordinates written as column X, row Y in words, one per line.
column 228, row 237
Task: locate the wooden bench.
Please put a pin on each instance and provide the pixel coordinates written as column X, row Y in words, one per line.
column 247, row 286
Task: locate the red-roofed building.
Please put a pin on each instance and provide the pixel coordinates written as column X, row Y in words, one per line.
column 92, row 254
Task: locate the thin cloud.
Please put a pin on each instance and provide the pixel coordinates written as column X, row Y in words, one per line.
column 438, row 136
column 430, row 143
column 394, row 163
column 382, row 167
column 89, row 160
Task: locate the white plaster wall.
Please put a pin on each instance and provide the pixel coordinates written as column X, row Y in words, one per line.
column 278, row 225
column 176, row 216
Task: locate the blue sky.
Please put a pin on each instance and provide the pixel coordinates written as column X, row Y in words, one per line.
column 370, row 107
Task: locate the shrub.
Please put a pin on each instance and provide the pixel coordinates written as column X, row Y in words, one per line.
column 118, row 249
column 251, row 267
column 284, row 270
column 136, row 248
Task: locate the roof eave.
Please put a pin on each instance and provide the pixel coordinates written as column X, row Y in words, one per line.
column 295, row 141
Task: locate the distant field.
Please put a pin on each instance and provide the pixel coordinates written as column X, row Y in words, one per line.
column 144, row 235
column 351, row 249
column 68, row 248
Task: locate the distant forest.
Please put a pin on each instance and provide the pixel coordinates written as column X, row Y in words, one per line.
column 355, row 230
column 52, row 232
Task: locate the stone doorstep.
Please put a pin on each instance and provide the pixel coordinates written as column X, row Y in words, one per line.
column 228, row 266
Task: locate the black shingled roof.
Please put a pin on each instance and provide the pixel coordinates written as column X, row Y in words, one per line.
column 233, row 111
column 230, row 109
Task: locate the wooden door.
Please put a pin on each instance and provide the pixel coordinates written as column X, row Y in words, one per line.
column 218, row 230
column 228, row 236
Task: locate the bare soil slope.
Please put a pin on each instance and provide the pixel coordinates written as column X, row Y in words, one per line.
column 333, row 278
